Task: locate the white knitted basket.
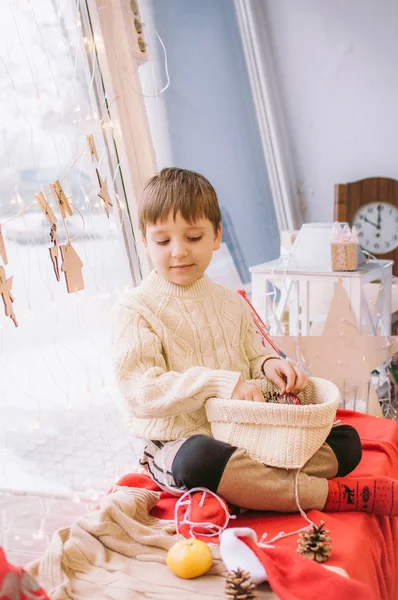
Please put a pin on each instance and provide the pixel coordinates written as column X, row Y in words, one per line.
column 278, row 435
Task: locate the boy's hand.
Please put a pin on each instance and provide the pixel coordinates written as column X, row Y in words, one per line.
column 285, row 375
column 247, row 391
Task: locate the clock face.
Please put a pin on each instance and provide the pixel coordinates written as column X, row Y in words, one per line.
column 377, row 226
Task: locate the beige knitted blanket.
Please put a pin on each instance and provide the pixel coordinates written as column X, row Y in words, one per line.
column 118, row 552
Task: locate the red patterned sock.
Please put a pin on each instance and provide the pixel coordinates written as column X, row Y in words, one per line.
column 378, row 495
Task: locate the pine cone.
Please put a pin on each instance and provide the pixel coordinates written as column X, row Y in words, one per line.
column 239, row 586
column 314, row 543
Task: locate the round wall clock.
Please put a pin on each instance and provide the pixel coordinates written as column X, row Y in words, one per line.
column 372, row 206
column 377, row 225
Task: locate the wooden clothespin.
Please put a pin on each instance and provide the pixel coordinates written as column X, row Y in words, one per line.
column 61, row 199
column 3, row 251
column 72, row 267
column 104, row 193
column 54, row 251
column 8, row 298
column 91, row 147
column 46, row 208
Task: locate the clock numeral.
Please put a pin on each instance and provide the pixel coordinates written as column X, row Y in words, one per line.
column 370, row 209
column 390, row 211
column 367, row 243
column 358, row 225
column 380, row 207
column 395, row 237
column 396, row 219
column 387, row 244
column 377, row 246
column 360, row 234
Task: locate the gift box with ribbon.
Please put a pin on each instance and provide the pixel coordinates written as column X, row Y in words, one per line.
column 344, row 248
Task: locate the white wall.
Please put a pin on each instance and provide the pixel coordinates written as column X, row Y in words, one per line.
column 212, row 122
column 337, row 71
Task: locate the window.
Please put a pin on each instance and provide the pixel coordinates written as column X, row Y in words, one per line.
column 61, row 427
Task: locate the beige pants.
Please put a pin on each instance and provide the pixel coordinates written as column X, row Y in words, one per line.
column 248, row 483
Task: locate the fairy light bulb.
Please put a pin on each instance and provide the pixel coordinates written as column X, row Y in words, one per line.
column 38, row 535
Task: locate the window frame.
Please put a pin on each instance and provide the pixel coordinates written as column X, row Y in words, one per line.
column 252, row 25
column 119, row 95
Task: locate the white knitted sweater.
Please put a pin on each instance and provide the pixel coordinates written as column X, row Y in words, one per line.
column 176, row 346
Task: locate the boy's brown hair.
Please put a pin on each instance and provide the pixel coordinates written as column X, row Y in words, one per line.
column 182, row 191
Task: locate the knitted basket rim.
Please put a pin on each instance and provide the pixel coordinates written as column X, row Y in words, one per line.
column 264, row 407
column 316, row 414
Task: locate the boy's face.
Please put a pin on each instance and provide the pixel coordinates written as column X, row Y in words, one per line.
column 180, row 251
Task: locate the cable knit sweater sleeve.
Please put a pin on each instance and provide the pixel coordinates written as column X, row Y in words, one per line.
column 150, row 389
column 254, row 349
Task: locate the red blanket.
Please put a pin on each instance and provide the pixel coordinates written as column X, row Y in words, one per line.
column 365, row 546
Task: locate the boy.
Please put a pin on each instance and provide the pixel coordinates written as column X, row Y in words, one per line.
column 180, row 339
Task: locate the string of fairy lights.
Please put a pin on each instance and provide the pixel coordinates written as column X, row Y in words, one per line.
column 71, row 264
column 58, row 376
